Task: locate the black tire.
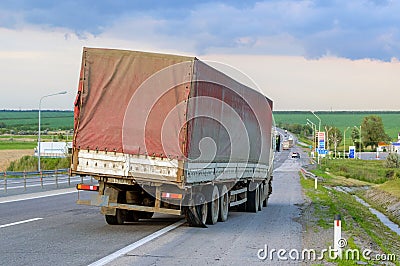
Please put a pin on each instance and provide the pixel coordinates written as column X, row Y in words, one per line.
column 266, row 195
column 117, row 219
column 202, row 210
column 213, row 207
column 224, row 204
column 145, row 215
column 253, row 200
column 131, row 216
column 197, row 215
column 260, row 196
column 270, row 188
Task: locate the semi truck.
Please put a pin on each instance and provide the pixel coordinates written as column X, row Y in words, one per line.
column 169, row 134
column 291, row 141
column 286, row 145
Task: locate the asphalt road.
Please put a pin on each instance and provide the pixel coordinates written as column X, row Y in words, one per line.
column 237, row 241
column 55, row 231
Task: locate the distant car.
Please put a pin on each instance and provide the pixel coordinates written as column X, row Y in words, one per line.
column 295, row 155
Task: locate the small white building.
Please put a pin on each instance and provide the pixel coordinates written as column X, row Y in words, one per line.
column 395, row 146
column 54, row 149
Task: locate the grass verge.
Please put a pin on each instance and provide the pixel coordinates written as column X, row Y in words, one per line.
column 360, row 227
column 369, row 171
column 30, row 163
column 391, row 187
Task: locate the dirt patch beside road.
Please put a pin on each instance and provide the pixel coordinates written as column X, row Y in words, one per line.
column 7, row 156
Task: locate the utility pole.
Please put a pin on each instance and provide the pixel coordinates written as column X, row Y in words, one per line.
column 39, row 129
column 327, row 137
column 359, row 129
column 344, row 144
column 314, row 127
column 319, row 130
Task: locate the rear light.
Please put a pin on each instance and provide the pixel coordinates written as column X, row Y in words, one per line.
column 166, row 195
column 87, row 187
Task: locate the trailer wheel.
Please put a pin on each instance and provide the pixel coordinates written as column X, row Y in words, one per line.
column 202, row 210
column 266, row 195
column 224, row 204
column 145, row 215
column 260, row 196
column 117, row 219
column 253, row 200
column 213, row 207
column 131, row 216
column 197, row 215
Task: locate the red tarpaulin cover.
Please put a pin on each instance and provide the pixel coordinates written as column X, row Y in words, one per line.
column 109, row 80
column 138, row 103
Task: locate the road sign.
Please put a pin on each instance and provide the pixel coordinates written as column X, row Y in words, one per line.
column 352, row 152
column 322, row 151
column 321, row 140
column 321, row 144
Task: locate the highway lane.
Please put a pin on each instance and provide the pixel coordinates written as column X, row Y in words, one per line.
column 237, row 241
column 67, row 234
column 59, row 232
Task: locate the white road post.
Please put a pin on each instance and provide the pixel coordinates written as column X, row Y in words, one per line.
column 337, row 235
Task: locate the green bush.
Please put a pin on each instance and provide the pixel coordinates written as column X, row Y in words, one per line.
column 392, row 161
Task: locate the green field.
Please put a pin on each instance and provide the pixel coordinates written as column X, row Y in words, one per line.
column 55, row 120
column 28, row 120
column 21, row 137
column 16, row 142
column 7, row 145
column 342, row 120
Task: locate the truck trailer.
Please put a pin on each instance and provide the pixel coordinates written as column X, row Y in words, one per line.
column 169, row 134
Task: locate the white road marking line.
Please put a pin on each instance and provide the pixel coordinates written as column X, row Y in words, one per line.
column 136, row 244
column 20, row 222
column 33, row 196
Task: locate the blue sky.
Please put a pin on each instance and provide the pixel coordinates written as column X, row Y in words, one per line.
column 352, row 29
column 341, row 49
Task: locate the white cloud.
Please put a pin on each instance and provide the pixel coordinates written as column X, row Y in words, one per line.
column 351, row 29
column 266, row 40
column 36, row 61
column 295, row 83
